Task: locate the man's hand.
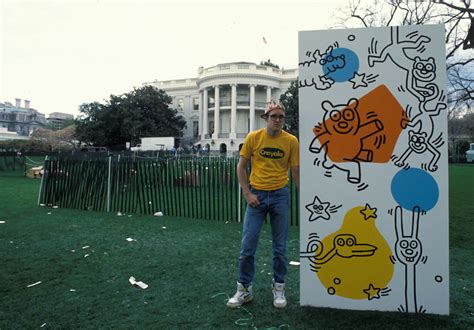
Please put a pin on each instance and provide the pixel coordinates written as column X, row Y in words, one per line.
column 252, row 199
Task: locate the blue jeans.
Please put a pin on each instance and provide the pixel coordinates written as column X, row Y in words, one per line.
column 276, row 203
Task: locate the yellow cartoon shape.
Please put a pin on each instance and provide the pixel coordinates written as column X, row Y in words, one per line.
column 354, row 262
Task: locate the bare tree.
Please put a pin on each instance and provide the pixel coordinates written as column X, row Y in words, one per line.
column 57, row 139
column 458, row 17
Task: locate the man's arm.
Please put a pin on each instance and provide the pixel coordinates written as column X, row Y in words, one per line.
column 295, row 174
column 242, row 174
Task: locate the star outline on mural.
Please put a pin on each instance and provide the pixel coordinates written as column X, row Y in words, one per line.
column 369, row 212
column 318, row 209
column 372, row 292
column 358, row 80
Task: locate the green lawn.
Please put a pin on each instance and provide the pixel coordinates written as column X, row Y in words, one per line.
column 190, row 266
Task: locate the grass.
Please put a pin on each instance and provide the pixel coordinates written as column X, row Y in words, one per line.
column 190, row 266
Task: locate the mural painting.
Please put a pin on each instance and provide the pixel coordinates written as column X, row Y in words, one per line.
column 374, row 210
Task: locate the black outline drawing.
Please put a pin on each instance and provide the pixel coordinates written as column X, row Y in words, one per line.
column 321, row 59
column 396, row 50
column 321, row 209
column 344, row 246
column 342, row 117
column 408, row 251
column 422, row 139
column 420, row 74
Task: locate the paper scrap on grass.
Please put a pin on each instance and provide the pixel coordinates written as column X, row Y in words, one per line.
column 36, row 283
column 43, row 325
column 86, row 255
column 133, row 281
column 131, row 239
column 294, row 263
column 55, row 207
column 85, row 247
column 2, row 221
column 158, row 214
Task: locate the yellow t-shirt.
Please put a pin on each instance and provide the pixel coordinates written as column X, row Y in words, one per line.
column 270, row 157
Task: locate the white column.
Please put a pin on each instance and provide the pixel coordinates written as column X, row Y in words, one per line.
column 233, row 112
column 216, row 112
column 205, row 120
column 201, row 115
column 269, row 93
column 252, row 108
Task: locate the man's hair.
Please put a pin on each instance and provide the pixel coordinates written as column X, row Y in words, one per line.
column 272, row 105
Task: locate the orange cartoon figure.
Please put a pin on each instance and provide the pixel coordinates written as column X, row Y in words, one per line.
column 341, row 138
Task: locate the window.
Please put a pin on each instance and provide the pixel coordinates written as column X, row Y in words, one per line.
column 243, row 97
column 195, row 128
column 211, row 102
column 195, row 103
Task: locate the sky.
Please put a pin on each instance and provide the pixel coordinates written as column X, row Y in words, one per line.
column 60, row 54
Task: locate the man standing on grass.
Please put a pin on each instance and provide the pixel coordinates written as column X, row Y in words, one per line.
column 271, row 152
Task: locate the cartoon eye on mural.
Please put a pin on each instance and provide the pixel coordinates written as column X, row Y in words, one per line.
column 373, row 135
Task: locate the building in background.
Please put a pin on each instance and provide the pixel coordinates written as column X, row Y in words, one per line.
column 56, row 120
column 20, row 120
column 224, row 102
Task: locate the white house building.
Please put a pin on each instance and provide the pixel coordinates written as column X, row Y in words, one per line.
column 224, row 102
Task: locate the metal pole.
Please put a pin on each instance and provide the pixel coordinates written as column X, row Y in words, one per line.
column 109, row 186
column 41, row 185
column 239, row 200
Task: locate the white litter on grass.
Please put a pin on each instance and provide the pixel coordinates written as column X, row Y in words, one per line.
column 72, row 290
column 2, row 221
column 158, row 214
column 119, row 214
column 55, row 207
column 294, row 263
column 49, row 212
column 86, row 255
column 36, row 283
column 43, row 325
column 85, row 247
column 163, row 227
column 42, row 204
column 140, row 284
column 73, row 250
column 131, row 239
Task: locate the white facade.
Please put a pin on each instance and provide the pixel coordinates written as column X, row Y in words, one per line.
column 225, row 101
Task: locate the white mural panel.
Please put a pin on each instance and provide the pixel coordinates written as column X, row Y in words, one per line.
column 374, row 168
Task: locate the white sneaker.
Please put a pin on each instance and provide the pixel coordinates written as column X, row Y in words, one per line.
column 242, row 296
column 279, row 300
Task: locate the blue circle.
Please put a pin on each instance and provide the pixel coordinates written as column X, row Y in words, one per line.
column 415, row 187
column 340, row 64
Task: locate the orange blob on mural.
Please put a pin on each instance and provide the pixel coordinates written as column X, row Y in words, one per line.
column 362, row 130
